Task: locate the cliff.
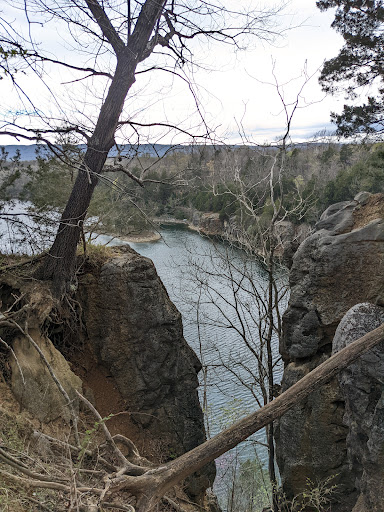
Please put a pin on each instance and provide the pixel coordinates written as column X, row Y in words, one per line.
column 135, row 334
column 119, row 340
column 331, row 436
column 288, row 235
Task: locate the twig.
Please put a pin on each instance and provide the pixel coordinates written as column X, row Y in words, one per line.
column 122, row 459
column 38, row 503
column 11, row 461
column 126, row 508
column 42, row 484
column 22, row 263
column 102, row 424
column 15, row 357
column 76, row 449
column 173, row 504
column 133, row 451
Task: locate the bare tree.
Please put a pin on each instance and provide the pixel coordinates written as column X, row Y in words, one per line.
column 246, row 291
column 239, row 295
column 125, row 40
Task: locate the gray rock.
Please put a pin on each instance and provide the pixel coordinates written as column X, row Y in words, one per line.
column 311, row 439
column 338, row 266
column 136, row 334
column 306, row 336
column 362, row 197
column 362, row 387
column 330, row 274
column 337, row 218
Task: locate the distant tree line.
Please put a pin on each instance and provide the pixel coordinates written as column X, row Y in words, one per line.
column 203, row 180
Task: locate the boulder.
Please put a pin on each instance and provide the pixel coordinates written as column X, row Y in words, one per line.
column 362, row 386
column 331, row 272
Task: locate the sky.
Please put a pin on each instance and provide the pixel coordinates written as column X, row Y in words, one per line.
column 236, row 93
column 248, row 93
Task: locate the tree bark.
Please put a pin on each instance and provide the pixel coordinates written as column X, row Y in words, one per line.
column 59, row 266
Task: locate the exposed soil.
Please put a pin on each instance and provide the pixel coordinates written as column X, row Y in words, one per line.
column 373, row 209
column 100, row 388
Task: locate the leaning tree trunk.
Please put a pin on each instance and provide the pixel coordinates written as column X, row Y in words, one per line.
column 157, row 482
column 59, row 266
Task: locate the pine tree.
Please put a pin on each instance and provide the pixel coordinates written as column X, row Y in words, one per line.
column 359, row 64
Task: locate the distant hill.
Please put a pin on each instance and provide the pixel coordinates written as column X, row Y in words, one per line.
column 28, row 153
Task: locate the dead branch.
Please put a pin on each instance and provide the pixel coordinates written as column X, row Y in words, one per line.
column 127, row 467
column 126, row 508
column 151, row 484
column 133, row 453
column 11, row 461
column 14, row 356
column 38, row 503
column 34, row 259
column 173, row 504
column 45, row 484
column 156, row 483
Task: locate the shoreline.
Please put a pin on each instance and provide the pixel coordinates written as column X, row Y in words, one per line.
column 154, row 236
column 141, row 238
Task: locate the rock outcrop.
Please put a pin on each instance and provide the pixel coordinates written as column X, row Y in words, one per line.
column 340, row 265
column 363, row 391
column 208, row 223
column 136, row 334
column 126, row 350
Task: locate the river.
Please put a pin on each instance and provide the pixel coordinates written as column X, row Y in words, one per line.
column 181, row 257
column 206, row 282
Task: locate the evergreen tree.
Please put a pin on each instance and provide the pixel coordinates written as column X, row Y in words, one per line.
column 360, row 63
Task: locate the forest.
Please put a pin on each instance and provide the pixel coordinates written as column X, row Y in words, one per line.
column 202, row 179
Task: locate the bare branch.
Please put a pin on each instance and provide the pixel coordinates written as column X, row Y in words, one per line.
column 106, row 26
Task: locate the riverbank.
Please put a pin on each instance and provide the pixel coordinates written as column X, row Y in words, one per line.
column 209, row 224
column 146, row 236
column 154, row 236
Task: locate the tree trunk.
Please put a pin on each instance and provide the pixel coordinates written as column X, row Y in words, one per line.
column 271, row 380
column 59, row 266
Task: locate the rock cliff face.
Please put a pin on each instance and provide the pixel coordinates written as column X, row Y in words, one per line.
column 126, row 351
column 362, row 388
column 136, row 335
column 339, row 266
column 208, row 223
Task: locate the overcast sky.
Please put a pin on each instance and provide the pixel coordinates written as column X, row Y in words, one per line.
column 244, row 88
column 239, row 96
